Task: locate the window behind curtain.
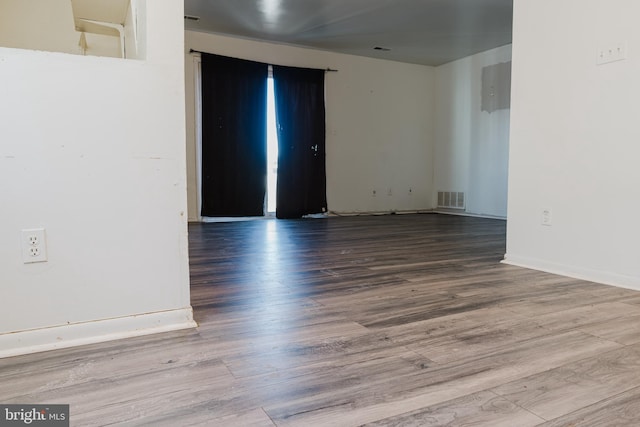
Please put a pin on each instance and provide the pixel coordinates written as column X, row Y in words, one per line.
column 234, row 152
column 300, row 116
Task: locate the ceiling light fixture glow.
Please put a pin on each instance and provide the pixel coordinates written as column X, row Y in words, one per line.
column 271, row 9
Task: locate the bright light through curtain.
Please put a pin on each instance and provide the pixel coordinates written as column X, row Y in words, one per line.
column 234, row 147
column 300, row 116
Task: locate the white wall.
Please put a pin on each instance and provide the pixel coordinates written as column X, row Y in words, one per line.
column 575, row 140
column 37, row 24
column 48, row 25
column 471, row 146
column 379, row 124
column 135, row 30
column 93, row 149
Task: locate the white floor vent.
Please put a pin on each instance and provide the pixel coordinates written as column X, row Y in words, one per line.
column 451, row 199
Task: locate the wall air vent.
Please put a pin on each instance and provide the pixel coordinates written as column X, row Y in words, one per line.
column 451, row 199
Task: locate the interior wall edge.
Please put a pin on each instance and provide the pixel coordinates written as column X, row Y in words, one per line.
column 77, row 334
column 581, row 273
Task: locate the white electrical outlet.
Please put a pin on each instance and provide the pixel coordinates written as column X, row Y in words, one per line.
column 546, row 218
column 34, row 246
column 611, row 53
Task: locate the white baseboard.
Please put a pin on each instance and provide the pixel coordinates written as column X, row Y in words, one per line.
column 57, row 337
column 378, row 213
column 598, row 276
column 469, row 214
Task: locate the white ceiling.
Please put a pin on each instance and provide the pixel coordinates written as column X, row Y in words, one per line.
column 429, row 32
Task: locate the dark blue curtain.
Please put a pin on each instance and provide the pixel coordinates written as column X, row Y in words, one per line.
column 300, row 116
column 234, row 140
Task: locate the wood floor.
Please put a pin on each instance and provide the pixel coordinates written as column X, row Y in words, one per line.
column 404, row 320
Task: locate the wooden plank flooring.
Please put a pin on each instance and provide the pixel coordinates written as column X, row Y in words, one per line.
column 403, row 320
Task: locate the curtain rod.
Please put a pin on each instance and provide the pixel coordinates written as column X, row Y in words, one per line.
column 326, row 70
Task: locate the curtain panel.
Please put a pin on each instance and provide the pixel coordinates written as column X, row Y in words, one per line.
column 300, row 117
column 234, row 148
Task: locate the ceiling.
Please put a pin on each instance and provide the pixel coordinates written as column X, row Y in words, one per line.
column 429, row 32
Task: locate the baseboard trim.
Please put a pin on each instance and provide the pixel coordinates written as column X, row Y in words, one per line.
column 469, row 214
column 604, row 277
column 76, row 334
column 380, row 213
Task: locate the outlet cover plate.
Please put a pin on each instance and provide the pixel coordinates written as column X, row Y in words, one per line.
column 612, row 53
column 34, row 245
